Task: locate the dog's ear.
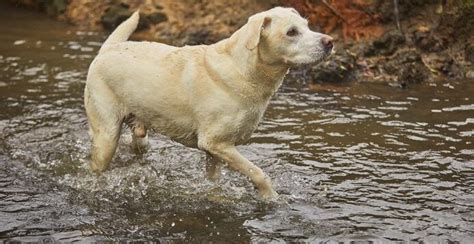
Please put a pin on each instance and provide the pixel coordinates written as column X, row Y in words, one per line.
column 256, row 26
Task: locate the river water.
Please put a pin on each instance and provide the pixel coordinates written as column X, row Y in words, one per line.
column 354, row 162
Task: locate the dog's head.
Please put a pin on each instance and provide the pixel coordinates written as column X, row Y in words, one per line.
column 282, row 35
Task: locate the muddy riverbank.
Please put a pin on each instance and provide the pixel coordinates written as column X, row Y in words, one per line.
column 432, row 40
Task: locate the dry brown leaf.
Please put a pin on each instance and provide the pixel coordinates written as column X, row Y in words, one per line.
column 348, row 15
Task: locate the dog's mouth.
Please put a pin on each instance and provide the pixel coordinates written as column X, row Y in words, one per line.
column 317, row 56
column 324, row 55
column 328, row 50
column 327, row 53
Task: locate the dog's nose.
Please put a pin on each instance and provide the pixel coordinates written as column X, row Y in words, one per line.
column 327, row 42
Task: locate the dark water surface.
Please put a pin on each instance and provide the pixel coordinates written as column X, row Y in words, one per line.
column 361, row 162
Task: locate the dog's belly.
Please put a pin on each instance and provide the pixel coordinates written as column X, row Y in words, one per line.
column 183, row 134
column 181, row 130
column 183, row 127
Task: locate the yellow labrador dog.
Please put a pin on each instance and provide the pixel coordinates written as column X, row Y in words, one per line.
column 207, row 97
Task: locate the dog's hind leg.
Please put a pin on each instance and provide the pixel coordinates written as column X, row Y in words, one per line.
column 213, row 167
column 139, row 137
column 105, row 123
column 139, row 134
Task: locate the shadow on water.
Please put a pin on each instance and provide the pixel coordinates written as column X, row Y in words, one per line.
column 365, row 162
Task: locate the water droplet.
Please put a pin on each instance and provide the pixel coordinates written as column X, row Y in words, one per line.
column 19, row 42
column 173, row 224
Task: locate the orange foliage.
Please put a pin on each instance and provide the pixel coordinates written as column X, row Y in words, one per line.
column 346, row 14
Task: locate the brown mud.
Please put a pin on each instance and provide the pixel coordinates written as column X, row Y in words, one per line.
column 431, row 40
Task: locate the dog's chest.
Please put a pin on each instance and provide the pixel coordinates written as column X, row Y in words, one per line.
column 247, row 123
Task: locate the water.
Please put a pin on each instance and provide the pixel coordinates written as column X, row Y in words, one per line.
column 362, row 162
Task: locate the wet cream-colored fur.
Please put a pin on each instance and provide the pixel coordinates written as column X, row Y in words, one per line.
column 210, row 97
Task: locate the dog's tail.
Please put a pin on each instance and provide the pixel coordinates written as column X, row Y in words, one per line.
column 123, row 31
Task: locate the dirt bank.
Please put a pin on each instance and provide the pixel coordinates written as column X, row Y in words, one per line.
column 377, row 41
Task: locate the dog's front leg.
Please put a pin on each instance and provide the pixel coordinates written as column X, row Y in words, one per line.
column 236, row 161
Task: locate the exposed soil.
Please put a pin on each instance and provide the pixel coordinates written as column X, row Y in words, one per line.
column 434, row 38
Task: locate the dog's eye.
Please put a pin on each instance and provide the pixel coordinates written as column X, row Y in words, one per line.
column 292, row 32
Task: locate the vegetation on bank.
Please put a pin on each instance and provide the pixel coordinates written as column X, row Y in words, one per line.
column 397, row 42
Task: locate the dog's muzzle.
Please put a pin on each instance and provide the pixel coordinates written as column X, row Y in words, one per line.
column 327, row 43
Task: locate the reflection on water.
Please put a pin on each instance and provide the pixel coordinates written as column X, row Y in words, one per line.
column 367, row 162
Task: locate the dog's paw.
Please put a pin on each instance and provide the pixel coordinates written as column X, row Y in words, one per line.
column 269, row 195
column 97, row 168
column 213, row 176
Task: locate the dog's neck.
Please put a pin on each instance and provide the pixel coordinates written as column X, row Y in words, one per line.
column 266, row 69
column 262, row 74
